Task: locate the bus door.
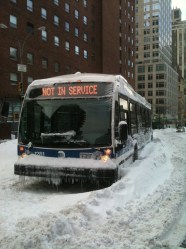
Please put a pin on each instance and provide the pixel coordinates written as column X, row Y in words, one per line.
column 121, row 114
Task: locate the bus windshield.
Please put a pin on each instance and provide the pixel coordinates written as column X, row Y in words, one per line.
column 66, row 123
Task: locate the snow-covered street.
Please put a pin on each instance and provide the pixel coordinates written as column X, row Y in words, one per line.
column 143, row 210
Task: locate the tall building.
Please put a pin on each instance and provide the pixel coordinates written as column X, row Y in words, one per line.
column 179, row 60
column 118, row 32
column 156, row 80
column 40, row 39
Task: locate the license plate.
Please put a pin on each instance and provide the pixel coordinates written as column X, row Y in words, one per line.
column 85, row 155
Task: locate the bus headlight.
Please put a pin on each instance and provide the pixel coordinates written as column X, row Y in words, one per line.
column 23, row 155
column 108, row 152
column 104, row 158
column 106, row 155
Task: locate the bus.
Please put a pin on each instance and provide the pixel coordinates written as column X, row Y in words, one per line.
column 81, row 127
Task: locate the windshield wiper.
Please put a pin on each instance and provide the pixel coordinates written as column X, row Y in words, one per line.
column 66, row 135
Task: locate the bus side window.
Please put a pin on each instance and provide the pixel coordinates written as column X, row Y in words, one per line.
column 124, row 112
column 133, row 118
column 143, row 115
column 116, row 121
column 141, row 119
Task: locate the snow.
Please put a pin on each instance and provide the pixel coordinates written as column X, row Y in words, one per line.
column 143, row 210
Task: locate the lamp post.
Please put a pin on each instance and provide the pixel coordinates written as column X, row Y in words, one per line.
column 21, row 45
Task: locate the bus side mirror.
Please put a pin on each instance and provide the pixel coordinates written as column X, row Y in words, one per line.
column 123, row 131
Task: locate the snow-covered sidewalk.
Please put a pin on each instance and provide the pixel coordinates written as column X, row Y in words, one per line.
column 142, row 210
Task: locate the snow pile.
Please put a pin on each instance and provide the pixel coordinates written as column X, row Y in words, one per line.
column 141, row 210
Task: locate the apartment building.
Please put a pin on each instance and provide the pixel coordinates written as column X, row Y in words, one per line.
column 179, row 60
column 41, row 39
column 156, row 79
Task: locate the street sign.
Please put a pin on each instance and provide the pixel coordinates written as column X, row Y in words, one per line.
column 21, row 68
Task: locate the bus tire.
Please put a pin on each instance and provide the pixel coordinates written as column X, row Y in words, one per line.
column 135, row 155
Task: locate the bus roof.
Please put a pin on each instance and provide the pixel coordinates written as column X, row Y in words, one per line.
column 123, row 86
column 84, row 77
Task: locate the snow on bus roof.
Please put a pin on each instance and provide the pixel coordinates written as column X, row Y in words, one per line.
column 86, row 77
column 123, row 86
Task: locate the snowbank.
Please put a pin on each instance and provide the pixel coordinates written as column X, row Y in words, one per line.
column 141, row 210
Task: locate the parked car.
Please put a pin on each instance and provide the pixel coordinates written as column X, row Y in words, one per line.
column 180, row 128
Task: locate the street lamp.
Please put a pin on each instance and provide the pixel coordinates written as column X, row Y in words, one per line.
column 3, row 26
column 20, row 67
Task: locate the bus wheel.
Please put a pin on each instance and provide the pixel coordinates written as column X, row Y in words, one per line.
column 135, row 155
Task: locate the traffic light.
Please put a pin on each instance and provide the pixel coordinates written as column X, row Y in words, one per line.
column 20, row 87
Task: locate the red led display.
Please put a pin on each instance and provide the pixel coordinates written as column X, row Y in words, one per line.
column 70, row 91
column 77, row 89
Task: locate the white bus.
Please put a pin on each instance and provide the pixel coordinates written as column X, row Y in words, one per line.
column 81, row 127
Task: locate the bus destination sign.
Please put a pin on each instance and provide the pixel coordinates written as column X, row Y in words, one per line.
column 72, row 90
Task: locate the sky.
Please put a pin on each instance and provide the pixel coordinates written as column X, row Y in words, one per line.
column 145, row 209
column 182, row 5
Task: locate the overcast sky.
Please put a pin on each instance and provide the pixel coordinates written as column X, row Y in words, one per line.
column 182, row 5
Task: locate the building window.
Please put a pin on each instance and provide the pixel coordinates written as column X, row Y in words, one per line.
column 146, row 54
column 160, row 93
column 160, row 101
column 76, row 50
column 13, row 21
column 57, row 67
column 150, row 85
column 85, row 37
column 160, row 85
column 85, row 20
column 13, row 53
column 67, row 26
column 150, row 93
column 85, row 3
column 160, row 67
column 67, row 46
column 150, row 68
column 43, row 13
column 160, row 76
column 56, row 20
column 30, row 5
column 56, row 41
column 76, row 32
column 13, row 78
column 141, row 77
column 76, row 14
column 56, row 2
column 30, row 58
column 85, row 54
column 44, row 35
column 141, row 85
column 150, row 77
column 44, row 63
column 67, row 7
column 141, row 69
column 29, row 80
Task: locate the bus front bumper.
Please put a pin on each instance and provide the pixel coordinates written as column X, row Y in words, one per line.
column 66, row 169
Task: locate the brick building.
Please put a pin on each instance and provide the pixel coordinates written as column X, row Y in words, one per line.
column 57, row 37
